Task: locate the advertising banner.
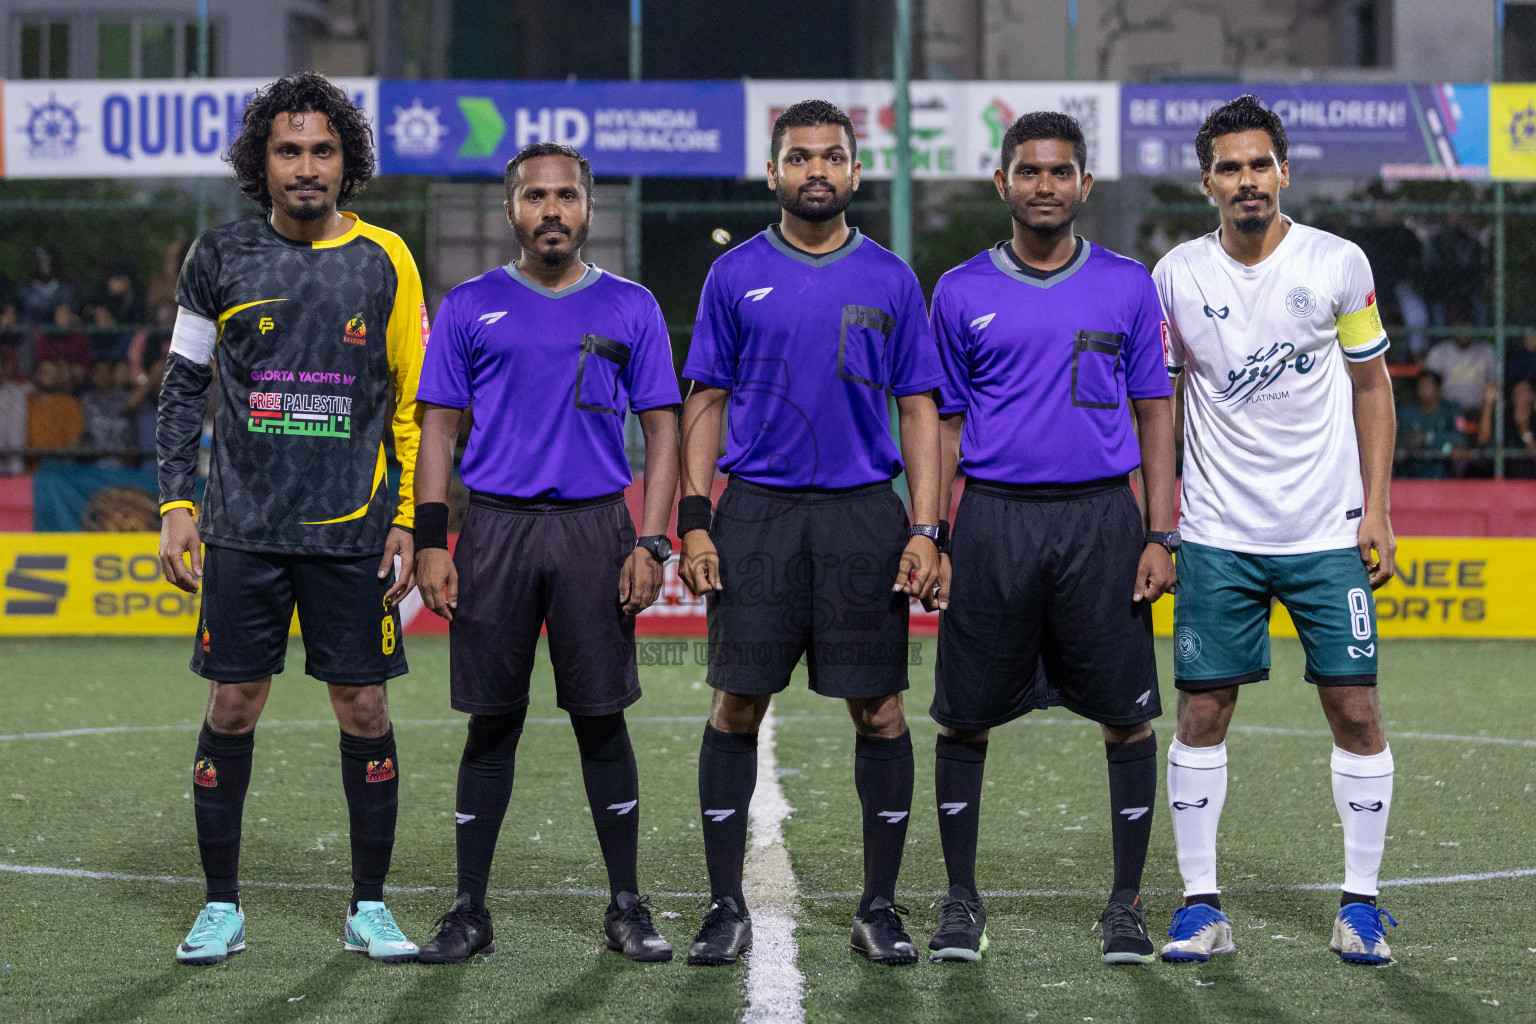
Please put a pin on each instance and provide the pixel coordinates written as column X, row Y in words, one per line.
column 1390, row 131
column 664, row 128
column 110, row 583
column 957, row 127
column 139, row 128
column 1512, row 131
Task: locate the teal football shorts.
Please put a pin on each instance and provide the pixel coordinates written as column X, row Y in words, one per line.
column 1221, row 616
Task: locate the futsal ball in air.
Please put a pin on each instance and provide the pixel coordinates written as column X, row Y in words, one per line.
column 721, row 236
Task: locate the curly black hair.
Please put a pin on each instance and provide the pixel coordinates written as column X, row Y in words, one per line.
column 1244, row 114
column 1045, row 124
column 812, row 114
column 301, row 93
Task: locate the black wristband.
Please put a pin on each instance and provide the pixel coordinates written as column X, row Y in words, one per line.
column 694, row 512
column 432, row 525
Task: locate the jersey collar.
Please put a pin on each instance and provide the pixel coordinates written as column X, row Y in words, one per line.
column 1264, row 264
column 586, row 280
column 1001, row 261
column 352, row 232
column 826, row 259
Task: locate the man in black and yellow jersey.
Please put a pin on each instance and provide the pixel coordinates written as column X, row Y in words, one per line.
column 316, row 321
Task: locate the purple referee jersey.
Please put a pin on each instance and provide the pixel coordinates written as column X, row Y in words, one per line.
column 1043, row 366
column 549, row 374
column 809, row 346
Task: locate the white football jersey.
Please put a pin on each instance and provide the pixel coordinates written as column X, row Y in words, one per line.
column 1271, row 463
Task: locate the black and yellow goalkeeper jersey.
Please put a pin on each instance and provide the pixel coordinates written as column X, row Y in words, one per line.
column 313, row 338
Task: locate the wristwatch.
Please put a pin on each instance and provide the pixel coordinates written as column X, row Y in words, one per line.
column 1169, row 540
column 660, row 547
column 933, row 533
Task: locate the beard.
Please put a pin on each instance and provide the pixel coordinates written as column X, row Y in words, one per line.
column 1020, row 211
column 302, row 211
column 817, row 213
column 553, row 257
column 1255, row 223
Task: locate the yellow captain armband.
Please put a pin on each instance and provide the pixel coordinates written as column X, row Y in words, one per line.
column 1360, row 333
column 179, row 504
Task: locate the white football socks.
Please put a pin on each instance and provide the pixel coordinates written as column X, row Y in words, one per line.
column 1197, row 790
column 1362, row 792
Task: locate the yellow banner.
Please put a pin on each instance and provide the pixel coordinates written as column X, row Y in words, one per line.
column 89, row 584
column 1512, row 131
column 109, row 583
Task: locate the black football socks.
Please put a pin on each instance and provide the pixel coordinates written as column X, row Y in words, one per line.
column 221, row 773
column 957, row 777
column 883, row 775
column 485, row 787
column 1132, row 795
column 727, row 777
column 370, row 774
column 613, row 792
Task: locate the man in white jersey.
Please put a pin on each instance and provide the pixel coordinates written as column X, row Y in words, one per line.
column 1287, row 406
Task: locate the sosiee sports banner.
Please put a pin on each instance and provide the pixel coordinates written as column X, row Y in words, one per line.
column 110, row 583
column 957, row 127
column 1394, row 131
column 664, row 128
column 136, row 128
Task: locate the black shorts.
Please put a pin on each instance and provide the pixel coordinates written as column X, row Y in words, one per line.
column 809, row 572
column 350, row 637
column 1043, row 576
column 530, row 563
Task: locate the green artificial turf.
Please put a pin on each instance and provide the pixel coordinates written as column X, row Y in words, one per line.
column 86, row 949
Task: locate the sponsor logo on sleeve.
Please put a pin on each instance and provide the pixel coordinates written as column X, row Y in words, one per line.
column 426, row 326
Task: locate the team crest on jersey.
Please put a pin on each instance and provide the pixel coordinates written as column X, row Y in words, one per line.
column 1300, row 302
column 380, row 771
column 205, row 774
column 356, row 332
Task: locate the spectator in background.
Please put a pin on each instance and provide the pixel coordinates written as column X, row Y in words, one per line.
column 152, row 344
column 65, row 344
column 46, row 291
column 1520, row 362
column 1431, row 432
column 1396, row 257
column 54, row 419
column 162, row 283
column 108, row 422
column 1453, row 271
column 113, row 303
column 143, row 403
column 1466, row 366
column 1519, row 438
column 13, row 411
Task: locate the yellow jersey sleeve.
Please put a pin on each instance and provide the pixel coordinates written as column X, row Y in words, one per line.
column 406, row 342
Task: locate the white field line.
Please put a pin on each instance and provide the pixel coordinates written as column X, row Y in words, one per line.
column 47, row 871
column 1082, row 723
column 774, row 981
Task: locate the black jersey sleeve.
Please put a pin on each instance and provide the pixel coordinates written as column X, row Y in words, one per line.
column 195, row 285
column 179, row 428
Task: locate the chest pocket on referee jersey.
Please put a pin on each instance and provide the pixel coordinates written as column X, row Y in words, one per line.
column 597, row 374
column 861, row 345
column 1095, row 369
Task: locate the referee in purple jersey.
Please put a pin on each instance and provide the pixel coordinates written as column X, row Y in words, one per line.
column 548, row 352
column 804, row 334
column 1055, row 393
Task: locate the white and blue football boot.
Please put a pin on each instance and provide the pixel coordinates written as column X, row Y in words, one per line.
column 1199, row 931
column 1358, row 936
